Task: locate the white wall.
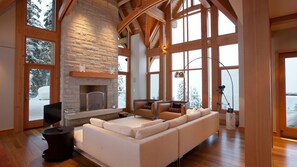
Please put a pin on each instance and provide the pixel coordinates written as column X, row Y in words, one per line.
column 138, row 69
column 7, row 56
column 281, row 40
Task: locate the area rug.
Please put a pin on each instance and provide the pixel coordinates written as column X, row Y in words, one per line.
column 4, row 160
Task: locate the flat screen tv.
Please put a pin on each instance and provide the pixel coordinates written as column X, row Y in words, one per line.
column 52, row 114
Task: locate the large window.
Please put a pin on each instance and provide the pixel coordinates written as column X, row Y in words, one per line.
column 122, row 81
column 186, row 26
column 189, row 87
column 41, row 14
column 154, row 76
column 40, row 51
column 230, row 75
column 225, row 25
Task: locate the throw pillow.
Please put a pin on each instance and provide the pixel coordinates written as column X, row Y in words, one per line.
column 149, row 103
column 151, row 130
column 205, row 111
column 194, row 115
column 147, row 106
column 121, row 129
column 176, row 105
column 97, row 122
column 151, row 123
column 177, row 121
column 176, row 110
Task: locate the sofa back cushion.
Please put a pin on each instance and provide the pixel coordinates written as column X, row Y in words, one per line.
column 194, row 115
column 151, row 123
column 97, row 122
column 151, row 130
column 177, row 121
column 205, row 111
column 121, row 129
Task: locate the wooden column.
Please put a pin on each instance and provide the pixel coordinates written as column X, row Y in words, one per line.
column 257, row 83
column 215, row 56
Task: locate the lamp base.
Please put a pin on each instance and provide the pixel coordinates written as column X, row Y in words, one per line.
column 230, row 121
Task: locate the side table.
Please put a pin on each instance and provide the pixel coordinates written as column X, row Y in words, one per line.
column 60, row 143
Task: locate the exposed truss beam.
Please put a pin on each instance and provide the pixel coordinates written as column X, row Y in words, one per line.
column 122, row 2
column 65, row 8
column 5, row 3
column 225, row 7
column 283, row 19
column 157, row 14
column 137, row 12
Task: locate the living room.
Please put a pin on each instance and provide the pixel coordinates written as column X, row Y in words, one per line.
column 94, row 37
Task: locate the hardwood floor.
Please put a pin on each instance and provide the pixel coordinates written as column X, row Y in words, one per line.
column 225, row 149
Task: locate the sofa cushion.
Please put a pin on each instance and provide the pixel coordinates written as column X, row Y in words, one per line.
column 97, row 122
column 177, row 121
column 205, row 111
column 151, row 130
column 121, row 129
column 151, row 123
column 194, row 115
column 176, row 110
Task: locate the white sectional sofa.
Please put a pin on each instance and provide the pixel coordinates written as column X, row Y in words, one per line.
column 156, row 145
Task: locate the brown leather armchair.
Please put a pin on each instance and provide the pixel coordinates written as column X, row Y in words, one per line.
column 145, row 108
column 171, row 109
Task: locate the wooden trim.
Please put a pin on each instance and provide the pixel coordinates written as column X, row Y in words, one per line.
column 92, row 75
column 5, row 4
column 225, row 7
column 153, row 52
column 19, row 65
column 157, row 14
column 41, row 34
column 283, row 19
column 122, row 2
column 205, row 66
column 124, row 52
column 65, row 6
column 192, row 45
column 215, row 55
column 6, row 132
column 136, row 13
column 168, row 54
column 227, row 39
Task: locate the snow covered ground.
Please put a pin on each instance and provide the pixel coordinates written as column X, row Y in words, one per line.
column 36, row 104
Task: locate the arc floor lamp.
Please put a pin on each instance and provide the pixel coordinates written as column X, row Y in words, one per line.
column 180, row 74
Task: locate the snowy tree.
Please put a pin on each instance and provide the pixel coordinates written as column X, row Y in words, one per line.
column 180, row 91
column 33, row 14
column 195, row 101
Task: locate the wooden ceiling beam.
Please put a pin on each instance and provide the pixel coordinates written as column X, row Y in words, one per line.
column 122, row 2
column 137, row 12
column 65, row 8
column 157, row 14
column 122, row 17
column 225, row 7
column 148, row 27
column 283, row 19
column 5, row 3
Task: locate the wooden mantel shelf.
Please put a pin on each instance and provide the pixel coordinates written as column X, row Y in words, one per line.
column 92, row 75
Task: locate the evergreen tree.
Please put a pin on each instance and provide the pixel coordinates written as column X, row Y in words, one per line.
column 195, row 101
column 180, row 91
column 49, row 16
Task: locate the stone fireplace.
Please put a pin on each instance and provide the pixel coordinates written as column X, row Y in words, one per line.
column 89, row 38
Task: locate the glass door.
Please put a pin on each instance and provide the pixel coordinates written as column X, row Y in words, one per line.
column 288, row 99
column 38, row 93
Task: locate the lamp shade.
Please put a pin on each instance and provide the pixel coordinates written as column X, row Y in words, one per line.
column 179, row 74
